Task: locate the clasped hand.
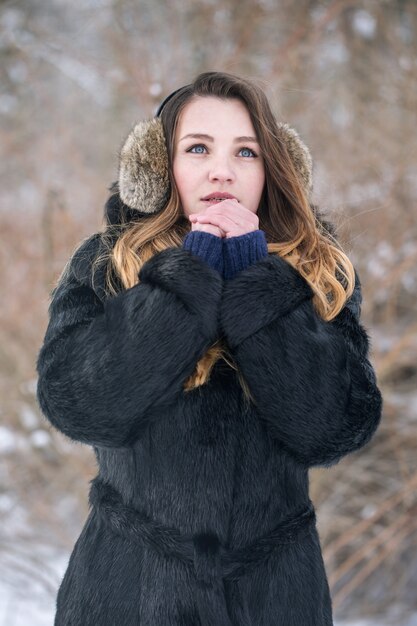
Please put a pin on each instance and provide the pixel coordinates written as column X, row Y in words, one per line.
column 228, row 218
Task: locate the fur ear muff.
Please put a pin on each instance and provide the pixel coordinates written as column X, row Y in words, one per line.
column 143, row 168
column 143, row 165
column 300, row 155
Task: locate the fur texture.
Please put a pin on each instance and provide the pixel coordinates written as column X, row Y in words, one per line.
column 200, row 512
column 143, row 167
column 299, row 153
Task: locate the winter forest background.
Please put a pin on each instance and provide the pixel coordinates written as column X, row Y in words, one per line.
column 75, row 76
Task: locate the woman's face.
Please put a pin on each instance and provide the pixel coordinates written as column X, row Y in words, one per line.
column 227, row 159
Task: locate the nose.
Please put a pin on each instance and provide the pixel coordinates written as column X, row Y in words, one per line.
column 221, row 170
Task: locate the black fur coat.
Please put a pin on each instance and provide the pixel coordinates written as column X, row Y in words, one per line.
column 200, row 513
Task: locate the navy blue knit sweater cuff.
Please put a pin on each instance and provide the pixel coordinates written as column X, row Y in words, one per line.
column 207, row 246
column 241, row 251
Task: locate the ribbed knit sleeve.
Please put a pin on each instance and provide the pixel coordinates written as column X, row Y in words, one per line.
column 227, row 255
column 241, row 251
column 206, row 246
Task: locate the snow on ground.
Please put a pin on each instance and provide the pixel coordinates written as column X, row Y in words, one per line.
column 24, row 598
column 18, row 611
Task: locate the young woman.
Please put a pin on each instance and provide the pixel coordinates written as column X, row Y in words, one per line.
column 208, row 346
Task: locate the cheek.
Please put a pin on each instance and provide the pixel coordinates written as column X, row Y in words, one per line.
column 185, row 177
column 256, row 182
column 179, row 177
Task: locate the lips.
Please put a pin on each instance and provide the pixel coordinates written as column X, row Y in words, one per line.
column 219, row 196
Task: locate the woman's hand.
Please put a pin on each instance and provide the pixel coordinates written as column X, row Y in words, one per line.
column 229, row 217
column 207, row 228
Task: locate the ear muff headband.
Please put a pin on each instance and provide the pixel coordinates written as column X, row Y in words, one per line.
column 163, row 103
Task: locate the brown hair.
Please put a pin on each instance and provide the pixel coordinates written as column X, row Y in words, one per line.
column 291, row 224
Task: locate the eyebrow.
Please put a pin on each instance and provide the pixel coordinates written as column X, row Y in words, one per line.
column 209, row 138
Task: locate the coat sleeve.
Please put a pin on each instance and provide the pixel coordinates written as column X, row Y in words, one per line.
column 104, row 364
column 311, row 380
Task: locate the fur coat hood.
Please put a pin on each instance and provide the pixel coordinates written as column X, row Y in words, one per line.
column 200, row 512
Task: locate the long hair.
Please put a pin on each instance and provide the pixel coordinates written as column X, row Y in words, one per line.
column 291, row 223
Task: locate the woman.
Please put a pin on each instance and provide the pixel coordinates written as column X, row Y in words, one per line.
column 208, row 345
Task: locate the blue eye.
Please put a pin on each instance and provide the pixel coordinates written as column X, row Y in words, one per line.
column 196, row 146
column 249, row 150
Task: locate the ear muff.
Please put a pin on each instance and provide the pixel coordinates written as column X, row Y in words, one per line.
column 143, row 168
column 143, row 178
